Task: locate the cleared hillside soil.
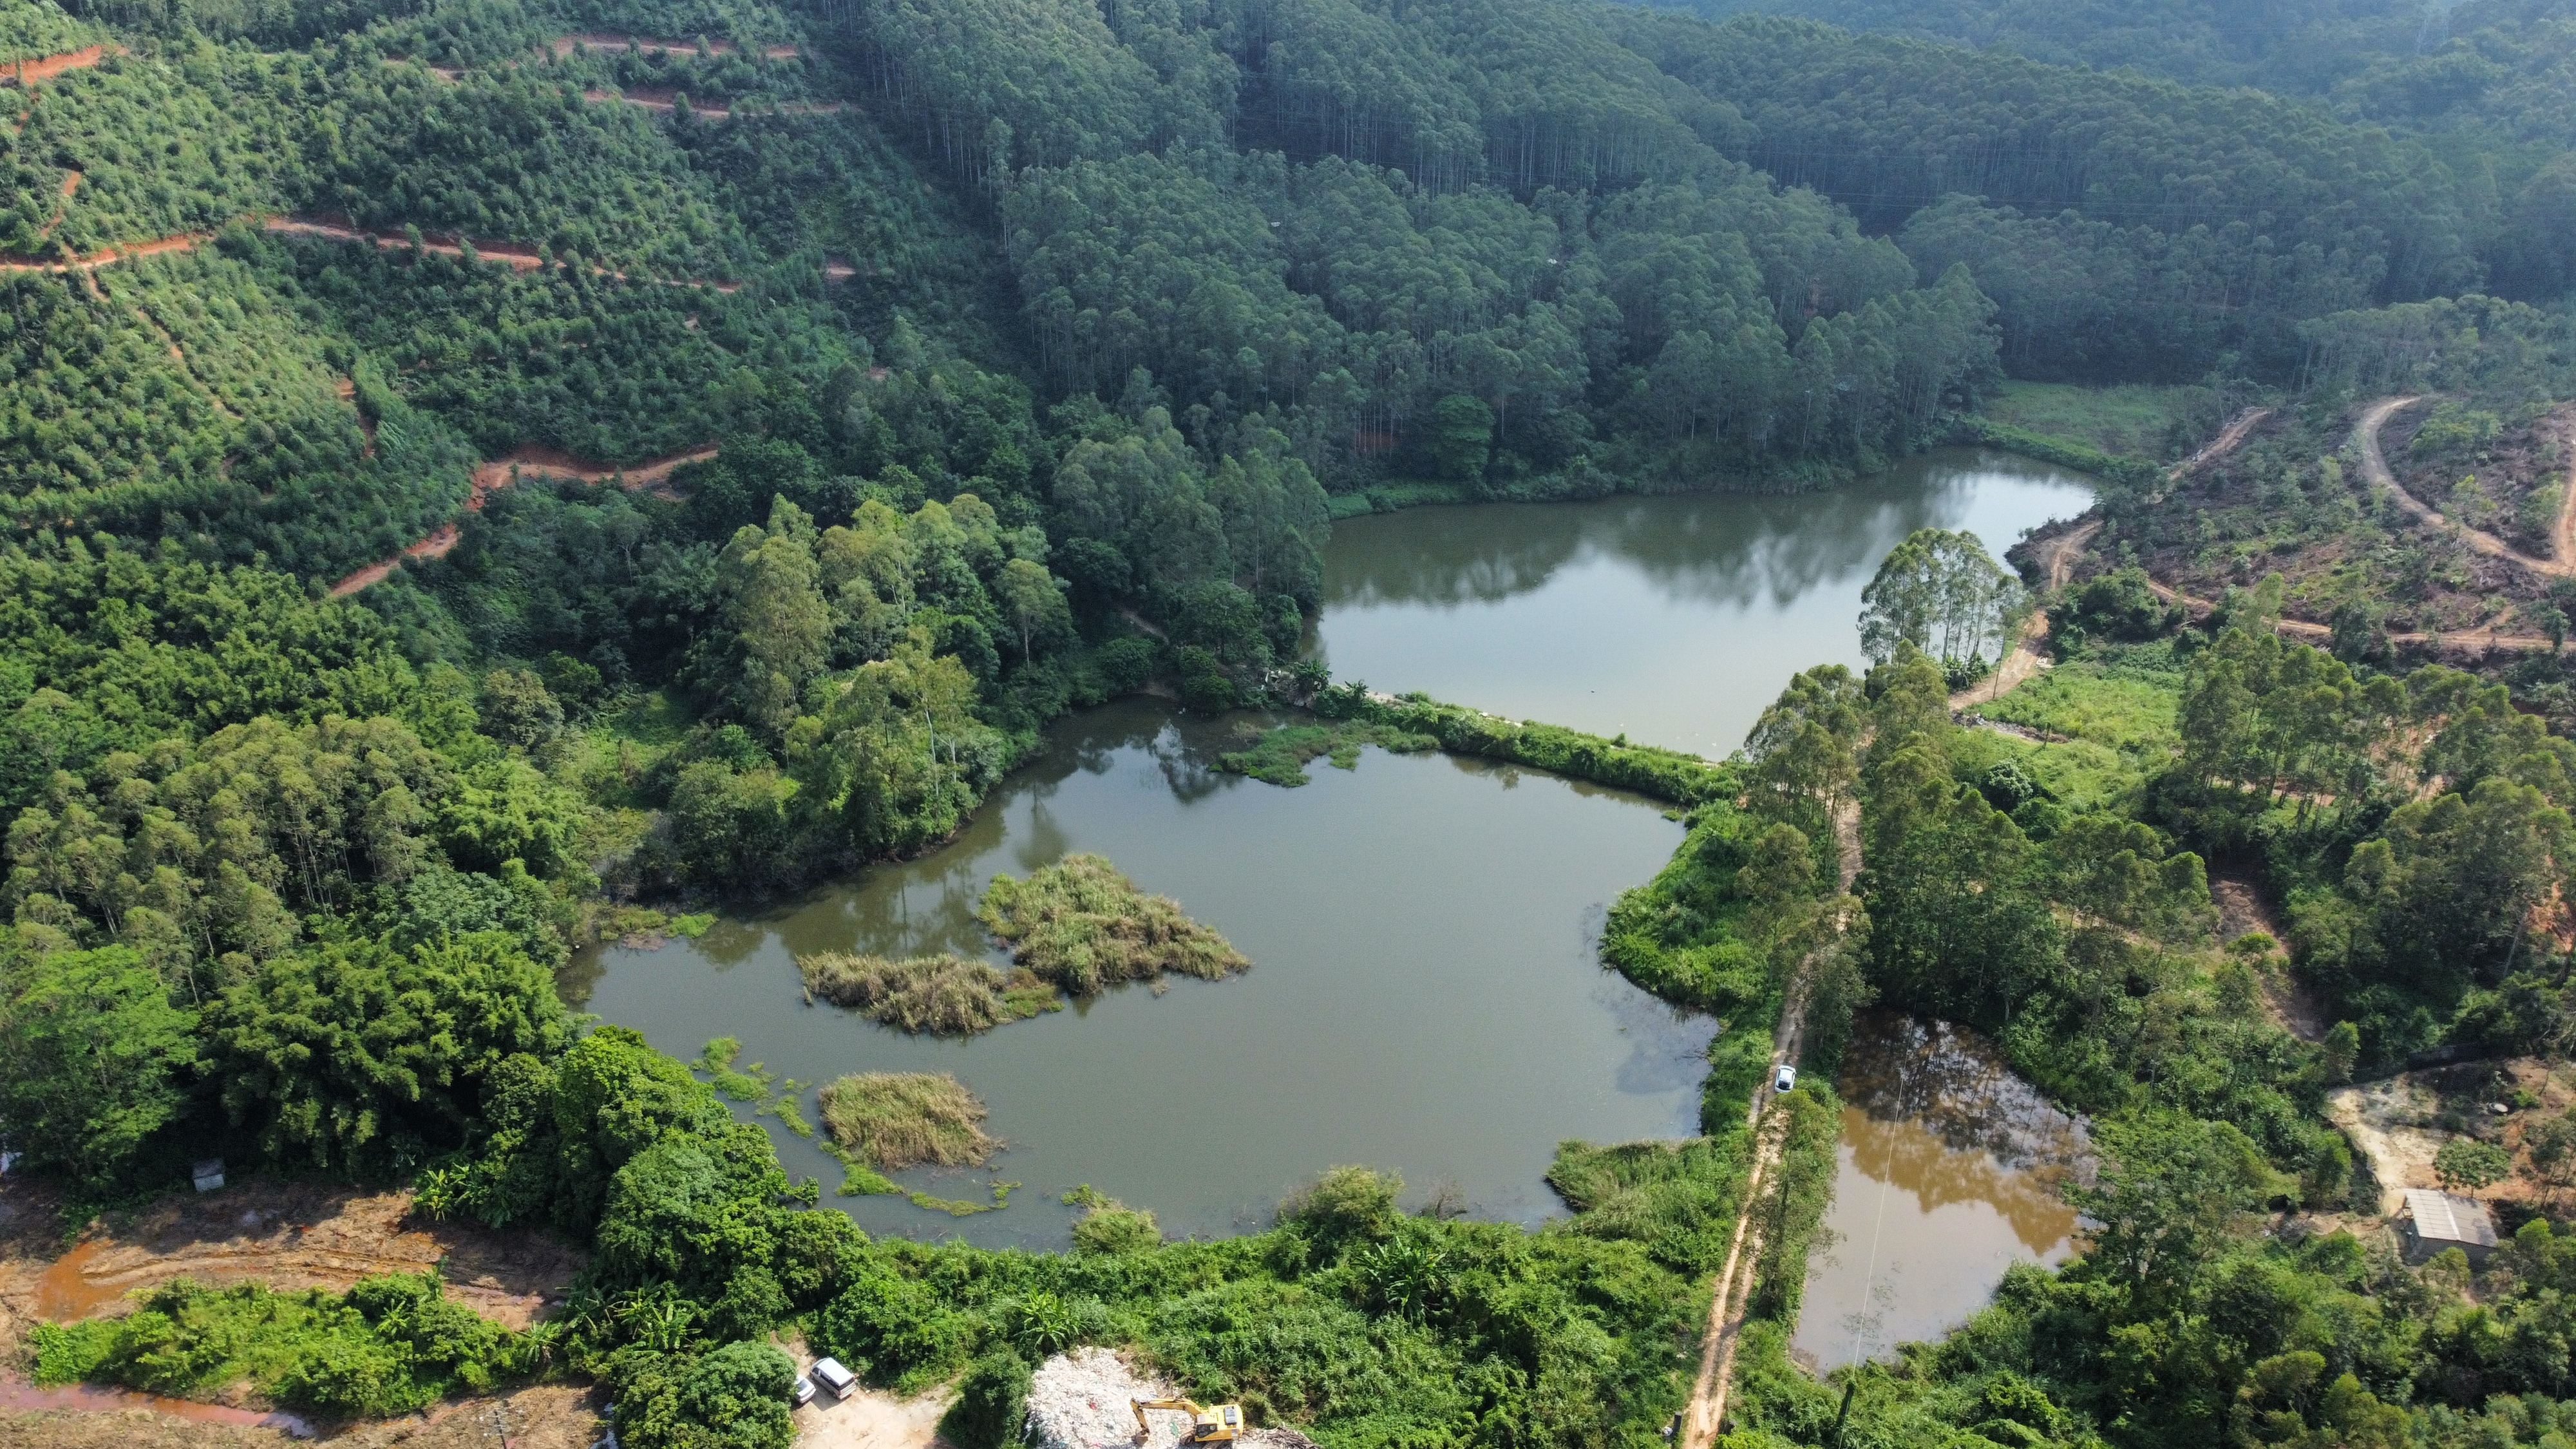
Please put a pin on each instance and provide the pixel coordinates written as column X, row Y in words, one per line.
column 2514, row 473
column 2268, row 507
column 46, row 67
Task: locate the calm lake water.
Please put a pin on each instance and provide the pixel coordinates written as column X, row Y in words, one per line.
column 1673, row 620
column 1425, row 992
column 1949, row 1174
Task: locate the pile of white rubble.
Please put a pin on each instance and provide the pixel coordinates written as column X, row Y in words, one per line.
column 1080, row 1400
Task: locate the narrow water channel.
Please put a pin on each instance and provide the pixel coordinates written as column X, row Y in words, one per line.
column 1949, row 1174
column 1673, row 620
column 1425, row 992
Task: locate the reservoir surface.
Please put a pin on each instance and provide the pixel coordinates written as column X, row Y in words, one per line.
column 1673, row 619
column 1426, row 994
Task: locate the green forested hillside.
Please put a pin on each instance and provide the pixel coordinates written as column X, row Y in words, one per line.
column 481, row 476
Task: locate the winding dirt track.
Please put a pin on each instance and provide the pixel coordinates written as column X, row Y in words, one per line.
column 2476, row 639
column 616, row 40
column 2374, row 468
column 2222, row 445
column 667, row 102
column 2061, row 553
column 519, row 464
column 511, row 254
column 1731, row 1295
column 184, row 241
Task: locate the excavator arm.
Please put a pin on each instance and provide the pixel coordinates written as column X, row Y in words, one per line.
column 1207, row 1426
column 1141, row 1405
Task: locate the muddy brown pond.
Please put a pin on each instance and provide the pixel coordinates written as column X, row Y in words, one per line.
column 1948, row 1174
column 1426, row 994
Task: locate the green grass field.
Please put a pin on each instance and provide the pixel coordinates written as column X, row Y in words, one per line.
column 2115, row 719
column 2132, row 421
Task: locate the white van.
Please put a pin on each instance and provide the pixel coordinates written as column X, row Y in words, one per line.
column 829, row 1373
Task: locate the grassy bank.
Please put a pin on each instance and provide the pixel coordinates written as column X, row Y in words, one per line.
column 2067, row 452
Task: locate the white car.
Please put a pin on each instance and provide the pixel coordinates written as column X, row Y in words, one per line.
column 1787, row 1079
column 804, row 1391
column 829, row 1373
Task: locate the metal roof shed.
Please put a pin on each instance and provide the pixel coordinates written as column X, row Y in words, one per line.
column 2433, row 1221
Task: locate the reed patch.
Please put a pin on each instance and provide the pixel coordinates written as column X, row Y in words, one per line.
column 1082, row 925
column 942, row 995
column 907, row 1119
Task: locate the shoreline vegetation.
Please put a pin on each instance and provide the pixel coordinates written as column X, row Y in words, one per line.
column 1025, row 355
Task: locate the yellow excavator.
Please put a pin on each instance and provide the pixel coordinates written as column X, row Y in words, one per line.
column 1207, row 1426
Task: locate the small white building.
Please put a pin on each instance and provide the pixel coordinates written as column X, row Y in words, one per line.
column 2434, row 1221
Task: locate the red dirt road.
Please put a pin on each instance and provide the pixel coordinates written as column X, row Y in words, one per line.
column 521, row 258
column 526, row 461
column 666, row 100
column 511, row 254
column 614, row 40
column 111, row 256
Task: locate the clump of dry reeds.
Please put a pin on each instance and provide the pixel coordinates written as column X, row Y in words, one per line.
column 904, row 1119
column 947, row 995
column 1081, row 925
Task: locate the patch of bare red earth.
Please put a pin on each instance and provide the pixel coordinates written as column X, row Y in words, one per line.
column 518, row 464
column 46, row 67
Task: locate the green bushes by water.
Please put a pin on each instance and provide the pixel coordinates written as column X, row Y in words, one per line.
column 2130, row 472
column 1281, row 755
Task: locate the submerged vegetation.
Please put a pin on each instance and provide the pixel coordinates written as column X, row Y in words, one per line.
column 1082, row 926
column 1281, row 754
column 946, row 995
column 905, row 1119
